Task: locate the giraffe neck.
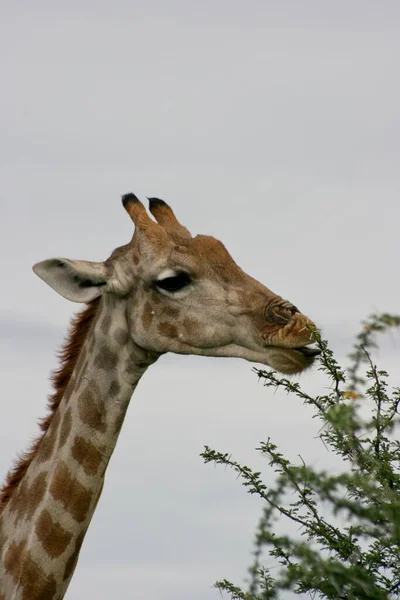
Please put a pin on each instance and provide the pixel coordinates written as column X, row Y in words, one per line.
column 43, row 525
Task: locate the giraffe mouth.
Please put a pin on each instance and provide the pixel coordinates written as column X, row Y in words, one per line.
column 308, row 352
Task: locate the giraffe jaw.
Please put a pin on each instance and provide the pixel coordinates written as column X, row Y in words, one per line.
column 291, row 360
column 283, row 359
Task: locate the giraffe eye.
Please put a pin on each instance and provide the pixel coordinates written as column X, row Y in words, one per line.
column 175, row 283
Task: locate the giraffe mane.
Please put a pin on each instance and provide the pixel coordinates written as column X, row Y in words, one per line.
column 68, row 357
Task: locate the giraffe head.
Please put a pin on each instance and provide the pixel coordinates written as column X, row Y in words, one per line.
column 187, row 295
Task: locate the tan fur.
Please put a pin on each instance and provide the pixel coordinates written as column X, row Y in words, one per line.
column 78, row 499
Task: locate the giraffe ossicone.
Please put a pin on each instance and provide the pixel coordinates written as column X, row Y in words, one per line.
column 164, row 291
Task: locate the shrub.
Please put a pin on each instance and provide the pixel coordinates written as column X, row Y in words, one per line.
column 355, row 552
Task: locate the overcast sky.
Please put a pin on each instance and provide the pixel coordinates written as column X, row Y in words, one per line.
column 273, row 126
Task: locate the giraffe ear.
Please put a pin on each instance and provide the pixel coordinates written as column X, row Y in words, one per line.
column 76, row 280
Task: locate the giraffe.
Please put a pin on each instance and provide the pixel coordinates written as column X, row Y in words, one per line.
column 164, row 291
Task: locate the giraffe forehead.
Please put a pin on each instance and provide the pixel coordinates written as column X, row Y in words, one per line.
column 202, row 253
column 174, row 252
column 205, row 248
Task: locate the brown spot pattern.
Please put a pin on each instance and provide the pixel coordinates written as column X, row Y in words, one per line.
column 114, row 389
column 48, row 443
column 190, row 326
column 18, row 507
column 121, row 336
column 106, row 359
column 65, row 429
column 34, row 494
column 155, row 298
column 12, row 558
column 36, row 585
column 89, row 410
column 73, row 495
column 87, row 455
column 54, row 538
column 29, row 497
column 147, row 315
column 168, row 329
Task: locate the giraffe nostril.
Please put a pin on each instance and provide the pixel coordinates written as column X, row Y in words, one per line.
column 281, row 312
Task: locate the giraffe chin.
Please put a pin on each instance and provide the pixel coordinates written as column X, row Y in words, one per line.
column 280, row 358
column 291, row 360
